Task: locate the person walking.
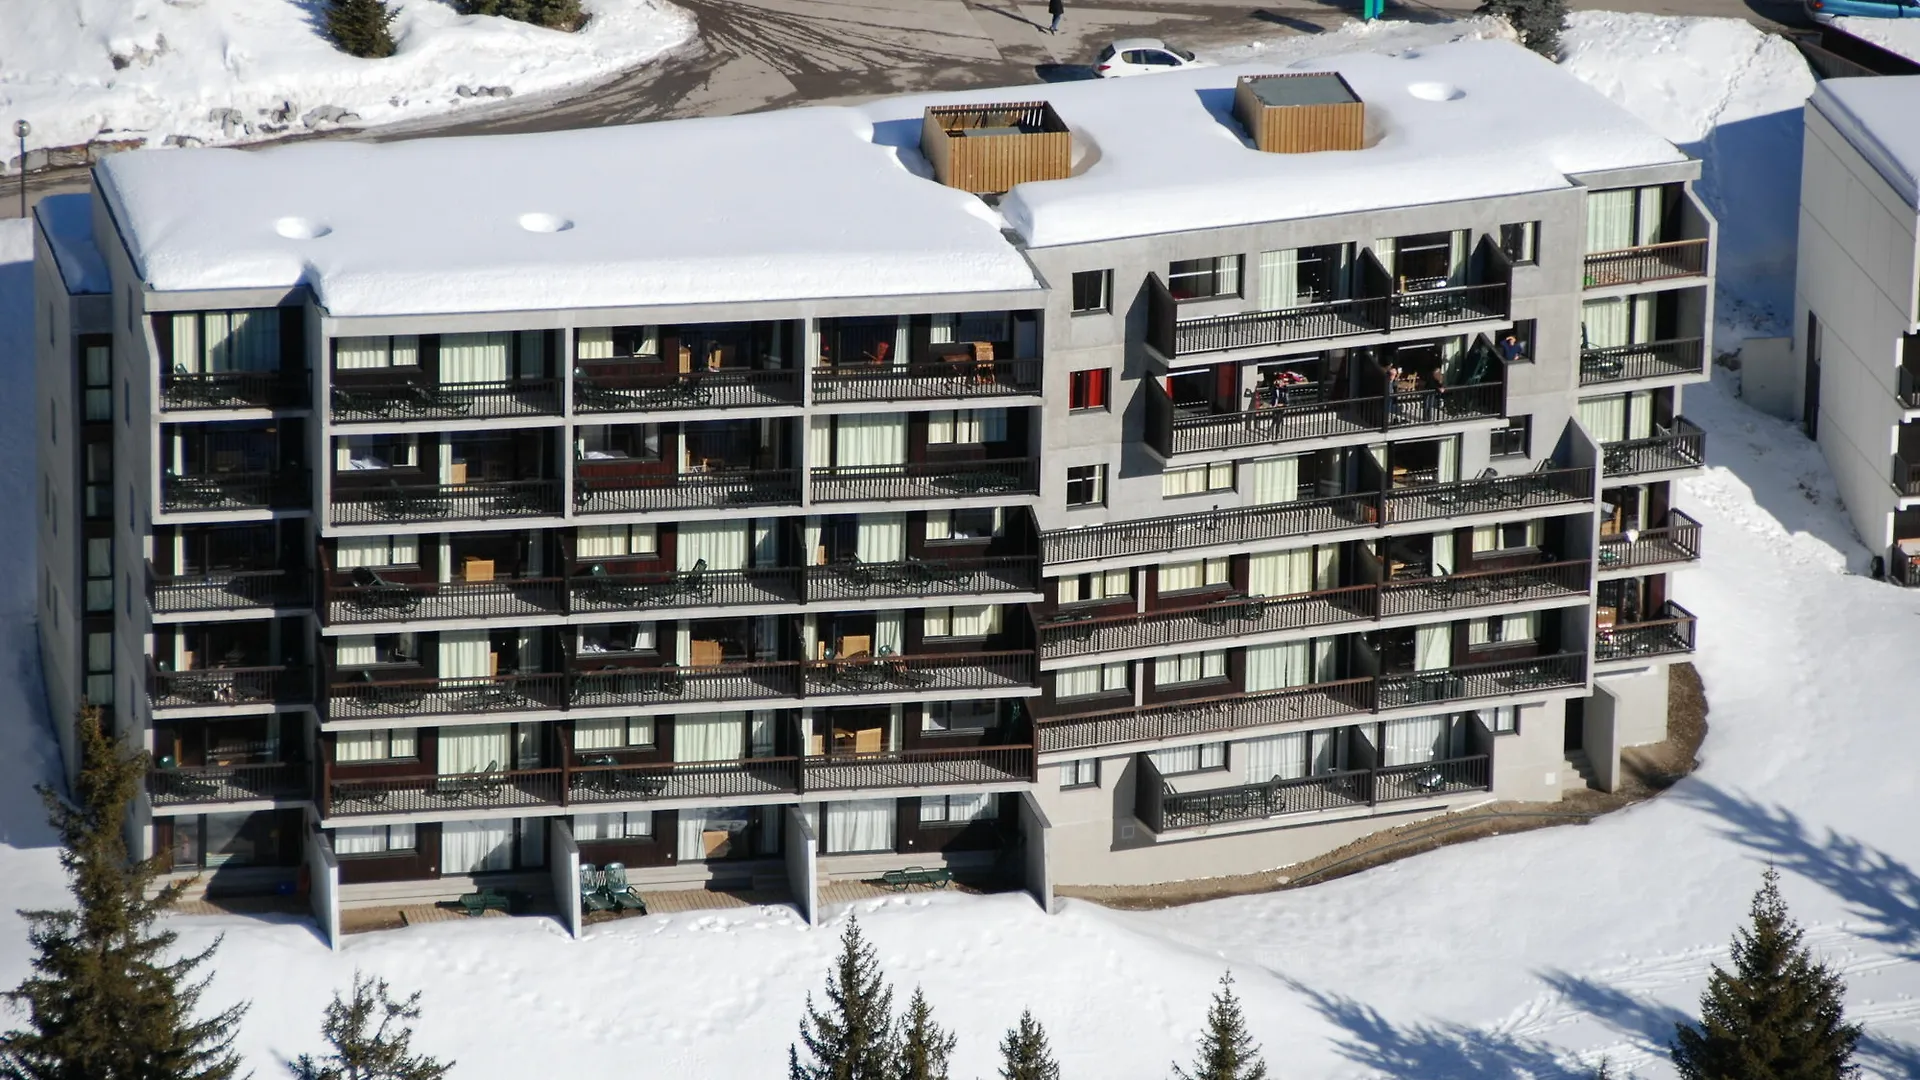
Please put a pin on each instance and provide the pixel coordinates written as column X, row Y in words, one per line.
column 1056, row 8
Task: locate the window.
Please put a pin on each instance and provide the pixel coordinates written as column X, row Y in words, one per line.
column 373, row 839
column 1516, row 345
column 100, row 668
column 971, row 524
column 388, row 744
column 1088, row 681
column 955, row 809
column 967, row 426
column 605, row 541
column 207, row 341
column 1084, row 773
column 1086, row 485
column 1197, row 479
column 1512, row 536
column 971, row 621
column 97, row 367
column 617, row 638
column 1190, row 759
column 365, row 650
column 1204, row 279
column 357, row 453
column 1504, row 630
column 1194, row 574
column 1514, row 440
column 613, row 733
column 1090, row 290
column 1087, row 389
column 1089, row 588
column 361, row 353
column 1503, row 719
column 210, row 841
column 97, row 460
column 953, row 716
column 1521, row 242
column 1190, row 668
column 633, row 825
column 99, row 574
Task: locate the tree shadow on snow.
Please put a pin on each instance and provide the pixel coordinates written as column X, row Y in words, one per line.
column 1434, row 1051
column 1650, row 1022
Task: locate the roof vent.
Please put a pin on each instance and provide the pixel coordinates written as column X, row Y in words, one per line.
column 1300, row 113
column 986, row 149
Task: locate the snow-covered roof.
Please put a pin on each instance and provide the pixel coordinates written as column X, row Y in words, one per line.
column 834, row 201
column 68, row 222
column 1877, row 117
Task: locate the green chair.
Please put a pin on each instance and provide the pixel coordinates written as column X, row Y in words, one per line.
column 618, row 892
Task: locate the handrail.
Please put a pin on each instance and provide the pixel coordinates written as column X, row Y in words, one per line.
column 1683, row 446
column 683, row 491
column 1646, row 262
column 923, row 480
column 1646, row 360
column 447, row 502
column 1677, row 541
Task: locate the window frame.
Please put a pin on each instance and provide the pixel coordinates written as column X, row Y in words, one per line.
column 1530, row 232
column 945, row 818
column 947, row 728
column 1216, row 265
column 1518, row 429
column 1226, row 669
column 1102, row 280
column 1095, row 478
column 1074, row 775
column 388, row 849
column 1085, row 385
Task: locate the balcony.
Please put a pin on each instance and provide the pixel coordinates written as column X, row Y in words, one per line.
column 1669, row 635
column 227, row 590
column 1650, row 360
column 856, row 582
column 1444, row 305
column 597, row 591
column 1331, row 514
column 623, row 388
column 959, row 379
column 365, row 597
column 1678, row 541
column 367, row 698
column 228, row 687
column 1162, row 809
column 286, row 489
column 644, row 492
column 1468, row 682
column 1172, row 434
column 184, row 391
column 970, row 765
column 1682, row 446
column 928, row 480
column 720, row 780
column 929, row 673
column 1205, row 716
column 1647, row 262
column 357, row 401
column 497, row 789
column 612, row 685
column 275, row 780
column 480, row 500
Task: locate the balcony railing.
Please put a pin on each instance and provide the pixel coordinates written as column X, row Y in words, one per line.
column 1667, row 635
column 1481, row 588
column 449, row 401
column 182, row 391
column 686, row 491
column 751, row 681
column 494, row 789
column 287, row 489
column 938, row 380
column 589, row 784
column 1466, row 682
column 1648, row 262
column 956, row 480
column 1683, row 446
column 1306, row 517
column 228, row 783
column 1206, row 716
column 1675, row 542
column 227, row 590
column 395, row 601
column 480, row 500
column 367, row 699
column 599, row 591
column 1172, row 434
column 1239, row 617
column 919, row 768
column 1650, row 360
column 1449, row 304
column 227, row 687
column 1906, row 476
column 612, row 391
column 1161, row 808
column 1257, row 329
column 855, row 582
column 920, row 674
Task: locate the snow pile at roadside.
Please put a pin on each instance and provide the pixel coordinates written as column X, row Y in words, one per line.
column 1900, row 36
column 222, row 71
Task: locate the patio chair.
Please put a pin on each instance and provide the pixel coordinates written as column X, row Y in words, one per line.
column 396, row 503
column 391, row 695
column 593, row 890
column 347, row 403
column 483, row 783
column 695, row 585
column 185, row 389
column 371, row 593
column 601, row 588
column 856, row 575
column 622, row 895
column 590, row 396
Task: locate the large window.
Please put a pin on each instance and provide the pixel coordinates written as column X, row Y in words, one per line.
column 1086, row 485
column 366, row 650
column 1186, row 668
column 607, row 541
column 1194, row 574
column 943, row 717
column 226, row 341
column 1511, row 536
column 964, row 621
column 1090, row 291
column 1504, row 630
column 97, row 369
column 99, row 667
column 1521, row 242
column 956, row 809
column 364, row 353
column 1513, row 440
column 1089, row 681
column 1204, row 279
column 99, row 573
column 210, row 841
column 971, row 524
column 967, row 426
column 859, row 825
column 362, row 453
column 1197, row 479
column 1624, row 218
column 1097, row 586
column 633, row 825
column 373, row 840
column 613, row 733
column 383, row 745
column 1206, row 757
column 1087, row 389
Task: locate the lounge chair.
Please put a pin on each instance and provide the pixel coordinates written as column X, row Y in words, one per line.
column 696, row 586
column 622, row 895
column 371, row 592
column 593, row 890
column 484, row 783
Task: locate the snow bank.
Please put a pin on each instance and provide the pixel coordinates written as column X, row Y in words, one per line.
column 1899, row 36
column 221, row 71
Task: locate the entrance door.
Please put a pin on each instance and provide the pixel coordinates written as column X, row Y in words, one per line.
column 1576, row 725
column 1810, row 411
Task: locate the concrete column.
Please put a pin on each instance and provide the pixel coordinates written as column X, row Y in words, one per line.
column 1034, row 826
column 563, row 862
column 803, row 866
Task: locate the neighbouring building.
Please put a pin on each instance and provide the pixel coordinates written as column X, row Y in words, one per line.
column 1080, row 484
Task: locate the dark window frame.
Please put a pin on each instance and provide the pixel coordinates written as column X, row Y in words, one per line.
column 1101, row 283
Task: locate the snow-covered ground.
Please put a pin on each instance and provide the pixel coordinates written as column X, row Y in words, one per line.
column 220, row 71
column 1506, row 958
column 1901, row 36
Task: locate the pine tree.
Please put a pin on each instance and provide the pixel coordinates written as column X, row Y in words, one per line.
column 1777, row 1016
column 361, row 27
column 1227, row 1052
column 853, row 1038
column 553, row 14
column 925, row 1046
column 104, row 1001
column 371, row 1037
column 1538, row 22
column 1024, row 1054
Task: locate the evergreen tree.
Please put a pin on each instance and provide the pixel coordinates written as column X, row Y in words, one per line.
column 361, row 27
column 1777, row 1016
column 553, row 14
column 1538, row 22
column 1227, row 1052
column 371, row 1037
column 1024, row 1054
column 853, row 1038
column 104, row 1001
column 924, row 1045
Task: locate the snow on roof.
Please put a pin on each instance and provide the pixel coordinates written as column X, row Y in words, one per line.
column 1876, row 116
column 830, row 201
column 68, row 222
column 1896, row 35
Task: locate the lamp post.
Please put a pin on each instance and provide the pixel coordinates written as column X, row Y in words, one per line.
column 22, row 129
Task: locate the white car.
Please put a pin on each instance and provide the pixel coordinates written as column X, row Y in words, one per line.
column 1140, row 56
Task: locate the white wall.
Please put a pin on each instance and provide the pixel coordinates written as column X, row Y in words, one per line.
column 563, row 863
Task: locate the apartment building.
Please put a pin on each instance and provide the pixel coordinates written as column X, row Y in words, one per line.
column 1857, row 306
column 1074, row 484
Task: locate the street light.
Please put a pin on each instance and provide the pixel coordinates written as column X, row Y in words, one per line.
column 22, row 129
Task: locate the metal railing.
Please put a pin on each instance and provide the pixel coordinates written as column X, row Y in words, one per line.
column 1649, row 360
column 924, row 480
column 920, row 673
column 935, row 380
column 1671, row 633
column 227, row 590
column 396, row 601
column 1683, row 446
column 1906, row 476
column 286, row 489
column 1325, row 419
column 1451, row 304
column 1480, row 588
column 610, row 390
column 227, row 783
column 445, row 401
column 478, row 500
column 918, row 768
column 483, row 790
column 1676, row 541
column 686, row 491
column 749, row 681
column 1465, row 682
column 452, row 695
column 1205, row 716
column 227, row 687
column 855, row 582
column 194, row 391
column 1161, row 808
column 597, row 590
column 1647, row 262
column 1334, row 319
column 1236, row 617
column 588, row 784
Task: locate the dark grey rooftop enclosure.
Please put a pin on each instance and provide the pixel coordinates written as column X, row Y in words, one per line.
column 1327, row 89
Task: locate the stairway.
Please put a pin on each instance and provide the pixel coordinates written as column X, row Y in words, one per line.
column 1577, row 761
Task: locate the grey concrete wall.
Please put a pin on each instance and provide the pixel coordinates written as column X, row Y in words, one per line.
column 323, row 870
column 803, row 865
column 1600, row 737
column 1770, row 377
column 1532, row 764
column 59, row 584
column 1034, row 828
column 1640, row 704
column 563, row 863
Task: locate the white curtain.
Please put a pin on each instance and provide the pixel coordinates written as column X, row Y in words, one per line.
column 1181, row 576
column 1276, row 667
column 692, row 825
column 1605, row 323
column 816, row 553
column 352, row 650
column 682, row 644
column 444, row 562
column 1326, row 566
column 472, row 847
column 526, row 747
column 465, row 654
column 1642, row 331
column 940, row 330
column 359, row 353
column 602, row 541
column 967, row 426
column 1449, row 460
column 881, row 538
column 1442, row 554
column 969, row 621
column 1329, row 751
column 1383, row 251
column 723, row 544
column 1646, row 227
column 473, row 358
column 1277, row 757
column 375, row 745
column 872, row 439
column 352, row 551
column 1280, row 573
column 820, row 442
column 860, row 825
column 889, row 632
column 1457, row 257
column 593, row 343
column 612, row 733
column 1076, row 682
column 368, row 840
column 1605, row 417
column 1279, row 280
column 1640, row 414
column 243, row 340
column 1609, row 220
column 446, row 461
column 1189, row 667
column 760, row 736
column 1273, row 480
column 1415, row 740
column 1433, row 647
column 716, row 737
column 473, row 749
column 186, row 344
